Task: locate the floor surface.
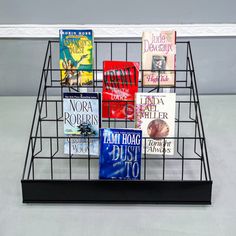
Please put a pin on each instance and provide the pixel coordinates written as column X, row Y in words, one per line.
column 18, row 219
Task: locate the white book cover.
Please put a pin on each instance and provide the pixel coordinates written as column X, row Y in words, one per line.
column 155, row 116
column 82, row 120
column 159, row 56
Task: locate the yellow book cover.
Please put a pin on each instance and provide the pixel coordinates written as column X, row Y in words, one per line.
column 76, row 57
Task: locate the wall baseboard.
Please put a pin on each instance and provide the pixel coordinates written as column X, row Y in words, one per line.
column 117, row 31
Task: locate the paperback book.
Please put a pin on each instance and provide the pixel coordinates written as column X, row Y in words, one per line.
column 82, row 120
column 159, row 56
column 120, row 154
column 155, row 116
column 76, row 57
column 120, row 83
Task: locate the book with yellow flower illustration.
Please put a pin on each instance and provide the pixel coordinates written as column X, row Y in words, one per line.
column 76, row 57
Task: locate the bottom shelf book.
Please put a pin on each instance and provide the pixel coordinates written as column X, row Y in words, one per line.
column 120, row 154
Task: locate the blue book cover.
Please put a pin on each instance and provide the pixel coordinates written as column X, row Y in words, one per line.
column 120, row 154
column 82, row 120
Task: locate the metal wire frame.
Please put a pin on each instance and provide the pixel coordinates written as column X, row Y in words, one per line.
column 48, row 82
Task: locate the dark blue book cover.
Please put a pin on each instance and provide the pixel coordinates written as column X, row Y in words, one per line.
column 120, row 154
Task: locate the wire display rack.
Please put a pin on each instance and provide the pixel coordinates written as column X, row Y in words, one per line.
column 50, row 176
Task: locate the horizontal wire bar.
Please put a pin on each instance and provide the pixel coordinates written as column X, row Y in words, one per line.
column 97, row 158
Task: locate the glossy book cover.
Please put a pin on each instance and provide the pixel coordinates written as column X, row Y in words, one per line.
column 76, row 57
column 82, row 120
column 120, row 154
column 155, row 116
column 159, row 56
column 120, row 83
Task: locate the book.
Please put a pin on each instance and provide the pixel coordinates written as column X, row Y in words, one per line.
column 82, row 120
column 120, row 83
column 159, row 56
column 155, row 116
column 120, row 153
column 76, row 57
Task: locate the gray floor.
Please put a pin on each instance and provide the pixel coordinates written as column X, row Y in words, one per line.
column 38, row 219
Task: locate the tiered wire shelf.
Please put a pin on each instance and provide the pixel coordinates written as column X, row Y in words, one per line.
column 50, row 176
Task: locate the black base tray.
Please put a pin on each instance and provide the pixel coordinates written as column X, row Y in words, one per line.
column 105, row 191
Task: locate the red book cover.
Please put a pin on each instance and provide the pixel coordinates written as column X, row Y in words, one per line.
column 120, row 83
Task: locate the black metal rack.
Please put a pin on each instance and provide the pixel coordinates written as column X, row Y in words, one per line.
column 49, row 175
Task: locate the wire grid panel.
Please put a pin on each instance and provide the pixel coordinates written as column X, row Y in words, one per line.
column 45, row 158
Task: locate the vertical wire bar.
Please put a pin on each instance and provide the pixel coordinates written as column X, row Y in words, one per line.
column 51, row 158
column 201, row 145
column 33, row 169
column 178, row 123
column 69, row 157
column 142, row 74
column 40, row 134
column 111, row 50
column 46, row 102
column 182, row 176
column 175, row 74
column 93, row 81
column 109, row 115
column 164, row 150
column 77, row 79
column 190, row 103
column 32, row 162
column 57, row 132
column 201, row 171
column 50, row 58
column 126, row 51
column 96, row 62
column 204, row 165
column 126, row 115
column 32, row 158
column 175, row 78
column 159, row 79
column 62, row 96
column 187, row 61
column 195, row 137
column 89, row 166
column 145, row 158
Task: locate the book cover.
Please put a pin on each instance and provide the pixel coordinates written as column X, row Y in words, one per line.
column 155, row 116
column 76, row 57
column 120, row 154
column 120, row 83
column 159, row 56
column 82, row 120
